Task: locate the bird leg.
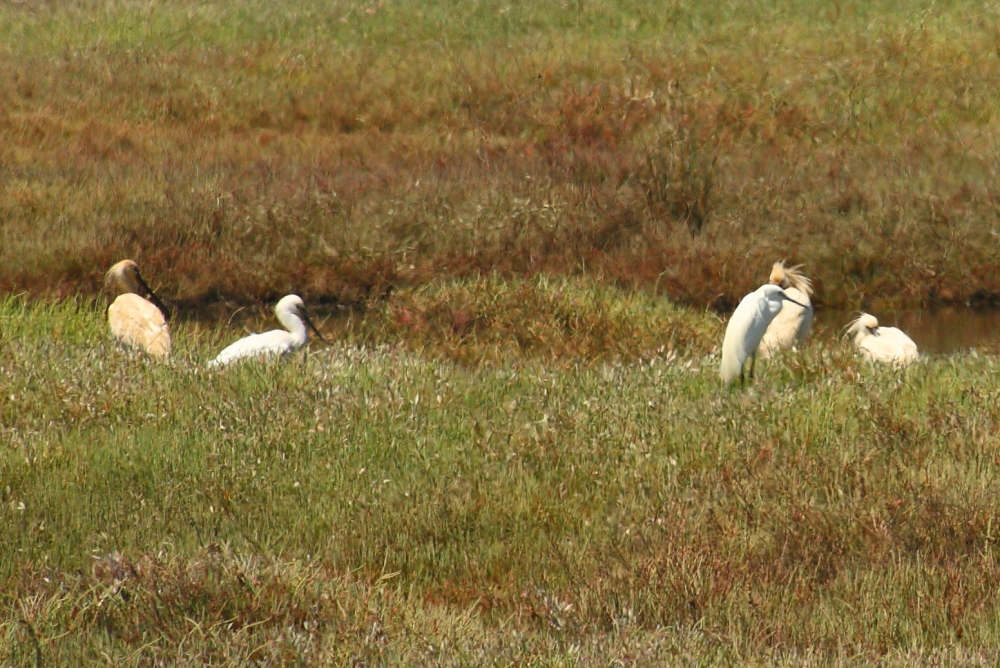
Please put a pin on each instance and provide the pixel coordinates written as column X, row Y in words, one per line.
column 753, row 361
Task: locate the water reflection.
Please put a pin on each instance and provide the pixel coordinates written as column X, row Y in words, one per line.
column 946, row 329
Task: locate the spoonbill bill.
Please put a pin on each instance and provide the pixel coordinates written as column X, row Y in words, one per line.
column 135, row 321
column 291, row 312
column 791, row 326
column 882, row 344
column 747, row 326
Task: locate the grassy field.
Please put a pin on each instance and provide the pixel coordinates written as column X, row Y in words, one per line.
column 382, row 501
column 243, row 149
column 517, row 221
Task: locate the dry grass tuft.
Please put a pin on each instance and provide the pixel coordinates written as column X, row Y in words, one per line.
column 492, row 320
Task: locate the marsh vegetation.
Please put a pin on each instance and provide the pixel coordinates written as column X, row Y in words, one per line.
column 515, row 220
column 247, row 149
column 380, row 502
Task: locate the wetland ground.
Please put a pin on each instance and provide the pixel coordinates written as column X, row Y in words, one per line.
column 518, row 451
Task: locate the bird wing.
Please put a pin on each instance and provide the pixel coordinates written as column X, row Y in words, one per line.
column 889, row 345
column 275, row 342
column 905, row 346
column 743, row 334
column 137, row 323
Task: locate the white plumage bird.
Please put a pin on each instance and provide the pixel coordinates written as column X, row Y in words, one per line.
column 792, row 325
column 291, row 312
column 135, row 321
column 882, row 344
column 746, row 329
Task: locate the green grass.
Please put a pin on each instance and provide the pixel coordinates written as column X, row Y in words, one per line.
column 389, row 502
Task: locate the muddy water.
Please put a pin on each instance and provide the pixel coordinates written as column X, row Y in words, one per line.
column 940, row 330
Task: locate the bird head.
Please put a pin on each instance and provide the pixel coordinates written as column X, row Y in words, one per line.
column 778, row 274
column 865, row 323
column 126, row 277
column 776, row 294
column 790, row 277
column 123, row 275
column 293, row 305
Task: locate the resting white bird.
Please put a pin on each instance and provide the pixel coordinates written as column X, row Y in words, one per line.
column 134, row 321
column 791, row 326
column 291, row 312
column 746, row 328
column 882, row 344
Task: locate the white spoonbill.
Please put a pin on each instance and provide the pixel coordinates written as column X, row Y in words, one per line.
column 291, row 312
column 134, row 321
column 746, row 328
column 791, row 326
column 882, row 344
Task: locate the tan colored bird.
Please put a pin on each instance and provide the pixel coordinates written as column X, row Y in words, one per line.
column 135, row 321
column 791, row 327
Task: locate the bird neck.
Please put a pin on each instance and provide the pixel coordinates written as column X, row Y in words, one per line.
column 295, row 327
column 125, row 285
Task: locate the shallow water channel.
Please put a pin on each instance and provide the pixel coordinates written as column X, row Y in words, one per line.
column 940, row 330
column 943, row 330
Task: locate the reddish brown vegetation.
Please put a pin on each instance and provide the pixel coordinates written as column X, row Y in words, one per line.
column 242, row 176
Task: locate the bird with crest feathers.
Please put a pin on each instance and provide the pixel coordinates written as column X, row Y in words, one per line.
column 792, row 325
column 882, row 344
